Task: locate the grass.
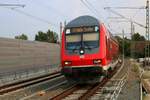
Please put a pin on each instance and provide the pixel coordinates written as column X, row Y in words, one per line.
column 135, row 68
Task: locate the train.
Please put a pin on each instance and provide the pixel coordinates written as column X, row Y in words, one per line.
column 88, row 49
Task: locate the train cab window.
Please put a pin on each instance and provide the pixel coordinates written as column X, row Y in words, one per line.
column 86, row 38
column 73, row 41
column 91, row 39
column 73, row 38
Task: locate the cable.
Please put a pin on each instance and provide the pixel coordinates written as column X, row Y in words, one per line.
column 95, row 11
column 126, row 7
column 125, row 17
column 12, row 5
column 32, row 16
column 48, row 7
column 89, row 8
column 136, row 13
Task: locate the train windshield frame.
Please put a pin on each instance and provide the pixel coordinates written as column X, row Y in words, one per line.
column 88, row 38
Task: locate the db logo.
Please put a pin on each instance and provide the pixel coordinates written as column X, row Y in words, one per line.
column 82, row 56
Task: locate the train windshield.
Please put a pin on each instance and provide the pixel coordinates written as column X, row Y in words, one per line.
column 88, row 41
column 73, row 41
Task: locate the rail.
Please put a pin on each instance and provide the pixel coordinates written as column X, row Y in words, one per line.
column 84, row 92
column 118, row 88
column 21, row 84
column 19, row 75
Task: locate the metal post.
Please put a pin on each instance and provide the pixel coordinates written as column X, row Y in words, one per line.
column 65, row 23
column 60, row 42
column 131, row 51
column 123, row 43
column 147, row 30
column 61, row 27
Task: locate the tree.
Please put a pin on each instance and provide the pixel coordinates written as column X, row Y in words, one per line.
column 138, row 37
column 23, row 37
column 41, row 36
column 127, row 43
column 49, row 36
column 133, row 46
column 138, row 45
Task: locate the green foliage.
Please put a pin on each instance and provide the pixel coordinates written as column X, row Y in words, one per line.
column 128, row 43
column 41, row 36
column 135, row 38
column 138, row 37
column 49, row 36
column 23, row 37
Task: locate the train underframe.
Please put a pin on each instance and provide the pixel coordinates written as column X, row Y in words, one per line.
column 92, row 74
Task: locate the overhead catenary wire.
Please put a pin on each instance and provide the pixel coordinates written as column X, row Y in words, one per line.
column 12, row 5
column 128, row 19
column 121, row 16
column 144, row 26
column 124, row 17
column 89, row 8
column 93, row 7
column 126, row 7
column 33, row 17
column 137, row 12
column 94, row 11
column 52, row 8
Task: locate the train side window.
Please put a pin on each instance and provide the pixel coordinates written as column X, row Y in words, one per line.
column 110, row 45
column 106, row 40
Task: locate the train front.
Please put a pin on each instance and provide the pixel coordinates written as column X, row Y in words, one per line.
column 81, row 52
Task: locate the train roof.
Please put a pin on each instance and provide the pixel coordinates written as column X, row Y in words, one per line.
column 83, row 21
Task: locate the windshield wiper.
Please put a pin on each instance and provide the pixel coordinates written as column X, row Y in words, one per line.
column 75, row 48
column 88, row 47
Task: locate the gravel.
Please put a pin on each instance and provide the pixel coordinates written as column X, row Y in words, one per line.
column 131, row 90
column 19, row 94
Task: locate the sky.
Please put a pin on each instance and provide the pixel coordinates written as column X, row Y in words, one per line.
column 41, row 15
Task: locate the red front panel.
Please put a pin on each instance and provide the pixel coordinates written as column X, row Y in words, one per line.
column 86, row 59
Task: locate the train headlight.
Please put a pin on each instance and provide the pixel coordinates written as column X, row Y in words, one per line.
column 97, row 61
column 67, row 62
column 81, row 52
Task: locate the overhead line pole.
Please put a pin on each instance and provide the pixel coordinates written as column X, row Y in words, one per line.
column 131, row 33
column 109, row 8
column 132, row 47
column 147, row 29
column 123, row 44
column 147, row 53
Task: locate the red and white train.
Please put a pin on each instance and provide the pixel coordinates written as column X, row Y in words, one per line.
column 88, row 49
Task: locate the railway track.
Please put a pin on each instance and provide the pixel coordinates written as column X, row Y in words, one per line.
column 112, row 86
column 28, row 82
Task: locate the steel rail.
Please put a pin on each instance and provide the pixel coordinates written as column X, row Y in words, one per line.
column 88, row 92
column 21, row 84
column 45, row 90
